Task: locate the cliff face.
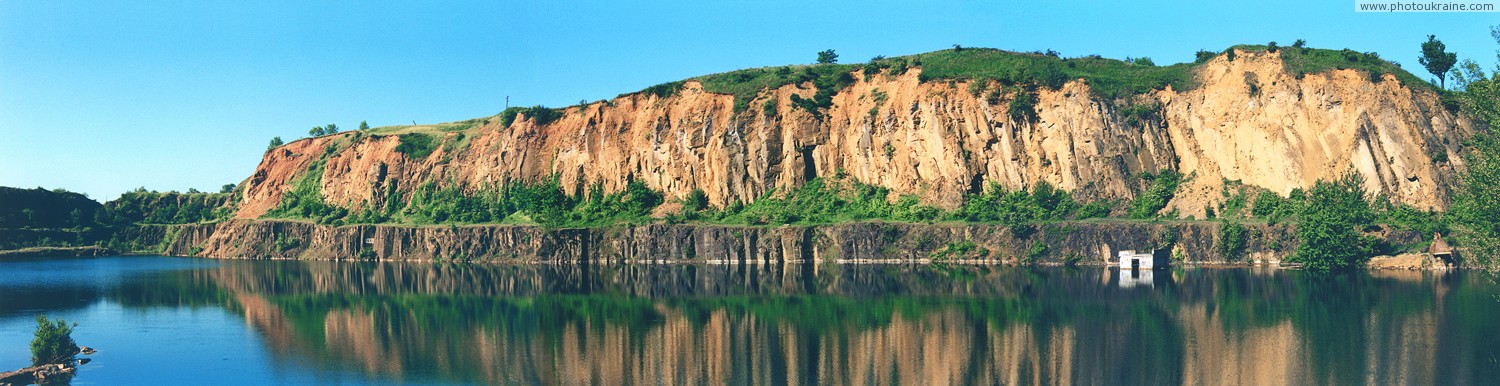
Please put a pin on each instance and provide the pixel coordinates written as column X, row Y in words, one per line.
column 1084, row 243
column 1248, row 121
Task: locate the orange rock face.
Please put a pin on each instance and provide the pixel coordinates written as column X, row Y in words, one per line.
column 1248, row 121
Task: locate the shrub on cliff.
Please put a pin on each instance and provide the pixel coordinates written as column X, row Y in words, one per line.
column 1160, row 188
column 416, row 146
column 52, row 342
column 540, row 115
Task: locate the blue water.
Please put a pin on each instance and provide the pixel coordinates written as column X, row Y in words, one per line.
column 153, row 344
column 165, row 320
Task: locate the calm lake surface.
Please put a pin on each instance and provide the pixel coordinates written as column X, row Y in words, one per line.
column 164, row 320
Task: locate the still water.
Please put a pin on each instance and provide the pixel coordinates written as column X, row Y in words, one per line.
column 164, row 320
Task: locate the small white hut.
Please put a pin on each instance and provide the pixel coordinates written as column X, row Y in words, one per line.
column 1131, row 260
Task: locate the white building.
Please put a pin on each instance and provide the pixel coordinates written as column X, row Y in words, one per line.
column 1130, row 260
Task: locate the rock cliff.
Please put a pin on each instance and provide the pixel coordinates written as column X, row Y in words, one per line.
column 1247, row 120
column 1083, row 243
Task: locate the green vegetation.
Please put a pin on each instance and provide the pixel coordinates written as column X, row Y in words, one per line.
column 538, row 114
column 1020, row 209
column 146, row 207
column 1302, row 61
column 305, row 200
column 1476, row 206
column 42, row 208
column 1328, row 229
column 364, row 126
column 819, row 201
column 1108, row 78
column 544, row 204
column 827, row 57
column 746, row 85
column 52, row 342
column 959, row 249
column 275, row 143
column 416, row 146
column 1437, row 60
column 1231, row 240
column 1160, row 188
column 664, row 90
column 1022, row 108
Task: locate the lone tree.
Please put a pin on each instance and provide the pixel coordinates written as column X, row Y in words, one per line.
column 53, row 342
column 275, row 143
column 364, row 126
column 827, row 57
column 1437, row 61
column 1328, row 235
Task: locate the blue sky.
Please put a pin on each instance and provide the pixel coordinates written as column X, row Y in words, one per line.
column 101, row 97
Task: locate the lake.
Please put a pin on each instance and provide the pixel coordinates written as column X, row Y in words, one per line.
column 167, row 320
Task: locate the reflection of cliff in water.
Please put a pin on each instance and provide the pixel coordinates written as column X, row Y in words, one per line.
column 863, row 324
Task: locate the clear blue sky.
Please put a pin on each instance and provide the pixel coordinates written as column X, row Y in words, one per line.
column 104, row 96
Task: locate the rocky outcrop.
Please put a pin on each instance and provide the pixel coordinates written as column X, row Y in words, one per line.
column 44, row 374
column 1085, row 243
column 1248, row 121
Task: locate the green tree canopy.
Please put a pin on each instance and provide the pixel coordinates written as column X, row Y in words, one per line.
column 53, row 342
column 1327, row 235
column 1436, row 59
column 827, row 57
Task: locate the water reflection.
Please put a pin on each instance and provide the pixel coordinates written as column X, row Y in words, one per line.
column 849, row 324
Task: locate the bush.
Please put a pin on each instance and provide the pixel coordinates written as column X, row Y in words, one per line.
column 1231, row 240
column 664, row 90
column 53, row 342
column 416, row 146
column 1160, row 188
column 275, row 143
column 540, row 115
column 1203, row 56
column 1023, row 108
column 1327, row 231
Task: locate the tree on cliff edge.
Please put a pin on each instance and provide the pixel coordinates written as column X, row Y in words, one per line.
column 1437, row 60
column 827, row 57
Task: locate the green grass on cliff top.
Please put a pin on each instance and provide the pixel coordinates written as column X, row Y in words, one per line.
column 1109, row 78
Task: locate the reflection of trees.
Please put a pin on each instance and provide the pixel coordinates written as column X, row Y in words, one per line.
column 853, row 323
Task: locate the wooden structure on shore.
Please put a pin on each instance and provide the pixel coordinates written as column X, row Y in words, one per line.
column 1441, row 250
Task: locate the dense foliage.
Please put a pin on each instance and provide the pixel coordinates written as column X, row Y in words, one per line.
column 1160, row 188
column 142, row 206
column 1328, row 233
column 41, row 208
column 540, row 115
column 53, row 341
column 1476, row 205
column 416, row 145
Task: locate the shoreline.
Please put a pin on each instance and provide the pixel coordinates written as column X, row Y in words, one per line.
column 1080, row 243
